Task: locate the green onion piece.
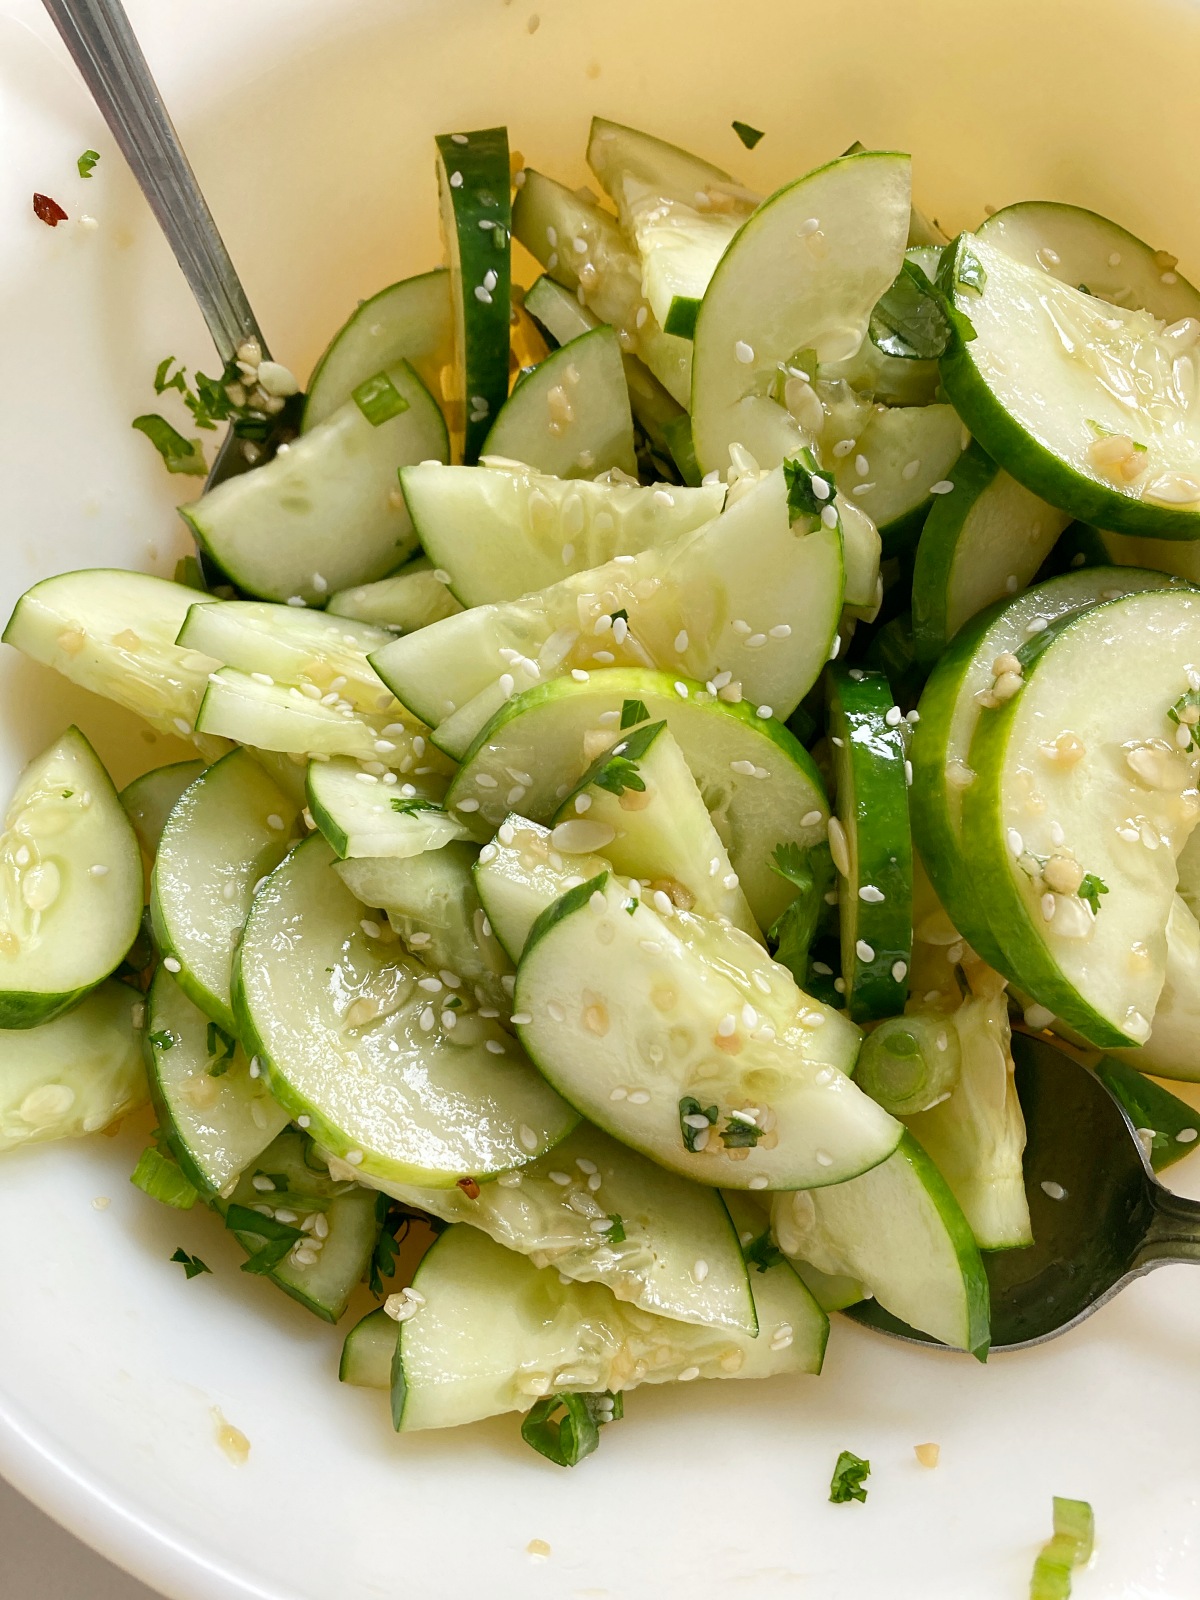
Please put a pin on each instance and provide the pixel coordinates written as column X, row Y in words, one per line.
column 565, row 1439
column 632, row 711
column 87, row 163
column 192, row 1265
column 280, row 1237
column 908, row 1064
column 1071, row 1547
column 849, row 1475
column 159, row 1177
column 379, row 400
column 1167, row 1124
column 179, row 454
column 748, row 135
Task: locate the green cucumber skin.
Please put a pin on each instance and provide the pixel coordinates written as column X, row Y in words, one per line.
column 483, row 195
column 30, row 1010
column 1030, row 463
column 971, row 475
column 681, row 318
column 975, row 1279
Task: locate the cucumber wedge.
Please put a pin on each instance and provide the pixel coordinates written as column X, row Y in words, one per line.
column 897, row 1229
column 431, row 902
column 114, row 633
column 1045, row 384
column 1172, row 1124
column 229, row 830
column 872, row 844
column 570, row 416
column 410, row 599
column 983, row 541
column 861, row 554
column 1090, row 252
column 294, row 646
column 905, row 451
column 336, row 1020
column 215, row 1117
column 474, row 189
column 1170, row 1051
column 950, row 713
column 643, row 1017
column 803, row 274
column 521, row 873
column 409, row 321
column 490, row 1334
column 74, row 1075
column 150, row 799
column 1180, row 557
column 504, row 531
column 329, row 1258
column 680, row 1256
column 1078, row 773
column 542, row 742
column 326, row 513
column 643, row 793
column 368, row 1351
column 976, row 1136
column 70, row 886
column 362, row 818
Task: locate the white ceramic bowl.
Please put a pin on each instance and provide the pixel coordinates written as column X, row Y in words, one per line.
column 309, row 125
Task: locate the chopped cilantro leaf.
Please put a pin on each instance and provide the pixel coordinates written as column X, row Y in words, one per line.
column 811, row 871
column 618, row 774
column 192, row 1265
column 163, row 1039
column 566, row 1427
column 802, row 474
column 739, row 1135
column 690, row 1111
column 616, row 1230
column 849, row 1476
column 87, row 163
column 762, row 1252
column 165, row 379
column 631, row 906
column 179, row 454
column 633, row 711
column 1186, row 713
column 910, row 321
column 1090, row 891
column 748, row 135
column 410, row 806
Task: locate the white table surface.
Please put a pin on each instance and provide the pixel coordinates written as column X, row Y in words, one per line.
column 44, row 1562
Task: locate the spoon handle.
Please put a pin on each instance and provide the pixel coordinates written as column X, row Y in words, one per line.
column 103, row 45
column 1174, row 1231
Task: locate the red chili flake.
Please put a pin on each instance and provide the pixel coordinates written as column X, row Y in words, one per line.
column 48, row 211
column 469, row 1187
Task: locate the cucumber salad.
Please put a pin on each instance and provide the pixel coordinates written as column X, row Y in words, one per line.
column 659, row 721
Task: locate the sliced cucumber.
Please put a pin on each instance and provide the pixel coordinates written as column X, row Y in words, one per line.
column 490, row 1334
column 432, row 903
column 894, row 380
column 861, row 553
column 294, row 646
column 976, row 1135
column 898, row 1229
column 557, row 311
column 1045, row 387
column 216, row 1118
column 548, row 219
column 368, row 1351
column 617, row 154
column 272, row 716
column 950, row 713
column 410, row 599
column 337, row 1022
column 150, row 799
column 474, row 189
column 643, row 1018
column 228, row 830
column 1079, row 767
column 504, row 531
column 982, row 542
column 642, row 793
column 326, row 513
column 570, row 416
column 679, row 1257
column 328, row 1261
column 114, row 633
column 363, row 818
column 409, row 321
column 1172, row 1124
column 550, row 735
column 1089, row 252
column 906, row 452
column 521, row 873
column 75, row 1074
column 804, row 274
column 872, row 844
column 1179, row 557
column 70, row 884
column 1170, row 1051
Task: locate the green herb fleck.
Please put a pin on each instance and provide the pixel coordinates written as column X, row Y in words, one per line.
column 159, row 1176
column 1167, row 1124
column 631, row 906
column 87, row 165
column 221, row 1046
column 1090, row 891
column 192, row 1265
column 453, row 1003
column 632, row 711
column 410, row 806
column 618, row 774
column 1103, row 431
column 165, row 379
column 810, row 869
column 67, row 794
column 163, row 1039
column 1185, row 713
column 616, row 1229
column 279, row 1238
column 379, row 400
column 748, row 135
column 763, row 1253
column 739, row 1135
column 970, row 271
column 689, row 1106
column 910, row 321
column 179, row 454
column 566, row 1427
column 848, row 1479
column 802, row 474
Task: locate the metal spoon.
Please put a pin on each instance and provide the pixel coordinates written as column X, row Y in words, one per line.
column 102, row 43
column 1100, row 1216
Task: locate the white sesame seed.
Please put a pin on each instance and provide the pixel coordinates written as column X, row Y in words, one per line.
column 521, row 1018
column 467, row 806
column 1187, row 1135
column 681, row 690
column 527, row 1136
column 639, row 1097
column 863, row 951
column 619, row 1094
column 942, row 486
column 681, row 641
column 871, row 894
column 744, row 352
column 1016, row 844
column 829, row 518
column 820, row 487
column 171, row 964
column 758, row 1183
column 1055, row 1191
column 899, row 971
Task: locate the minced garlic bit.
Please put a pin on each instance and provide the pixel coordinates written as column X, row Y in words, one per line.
column 538, row 1549
column 231, row 1441
column 927, row 1454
